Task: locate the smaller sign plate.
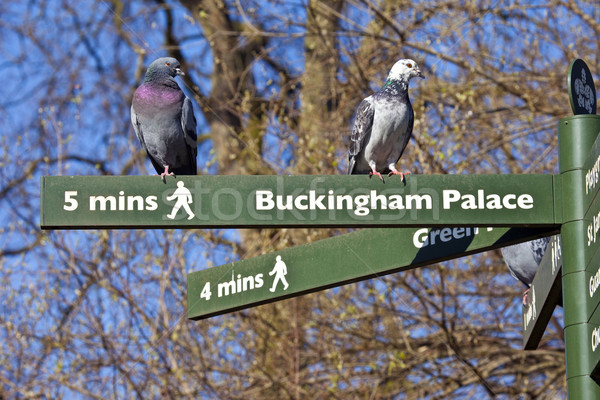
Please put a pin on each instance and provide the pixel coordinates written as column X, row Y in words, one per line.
column 544, row 294
column 582, row 91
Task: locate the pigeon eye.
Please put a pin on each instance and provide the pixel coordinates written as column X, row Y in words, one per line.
column 168, row 64
column 409, row 65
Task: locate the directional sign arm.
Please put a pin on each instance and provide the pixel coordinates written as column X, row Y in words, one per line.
column 91, row 202
column 543, row 296
column 337, row 261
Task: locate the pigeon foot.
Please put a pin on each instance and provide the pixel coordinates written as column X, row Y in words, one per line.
column 394, row 172
column 166, row 173
column 377, row 174
column 525, row 297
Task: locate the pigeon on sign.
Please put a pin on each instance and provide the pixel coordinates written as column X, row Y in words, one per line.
column 523, row 260
column 383, row 125
column 163, row 120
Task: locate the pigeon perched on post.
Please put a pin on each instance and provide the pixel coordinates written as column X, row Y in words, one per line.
column 163, row 120
column 523, row 260
column 383, row 125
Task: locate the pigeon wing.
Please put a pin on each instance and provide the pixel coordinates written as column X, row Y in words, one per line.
column 538, row 248
column 405, row 137
column 363, row 123
column 137, row 128
column 188, row 124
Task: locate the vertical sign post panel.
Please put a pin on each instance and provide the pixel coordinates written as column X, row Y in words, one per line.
column 577, row 135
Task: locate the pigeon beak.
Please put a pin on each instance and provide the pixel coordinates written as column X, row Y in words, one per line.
column 178, row 71
column 420, row 74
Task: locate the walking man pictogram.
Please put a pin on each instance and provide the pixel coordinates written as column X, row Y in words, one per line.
column 280, row 271
column 184, row 199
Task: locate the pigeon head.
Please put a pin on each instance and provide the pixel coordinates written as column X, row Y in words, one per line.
column 163, row 67
column 404, row 70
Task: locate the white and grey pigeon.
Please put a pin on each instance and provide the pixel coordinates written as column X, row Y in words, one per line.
column 163, row 120
column 523, row 260
column 383, row 125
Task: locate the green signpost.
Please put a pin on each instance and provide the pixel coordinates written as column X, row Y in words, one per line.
column 296, row 201
column 544, row 294
column 428, row 219
column 348, row 258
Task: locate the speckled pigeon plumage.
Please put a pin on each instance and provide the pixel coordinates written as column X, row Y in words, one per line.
column 163, row 120
column 523, row 259
column 383, row 124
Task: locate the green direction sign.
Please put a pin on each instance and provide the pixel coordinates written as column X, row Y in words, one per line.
column 348, row 258
column 545, row 292
column 591, row 222
column 591, row 175
column 79, row 202
column 588, row 348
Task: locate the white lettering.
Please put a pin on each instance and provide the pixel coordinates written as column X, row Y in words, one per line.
column 316, row 202
column 420, row 238
column 151, row 204
column 448, row 197
column 595, row 338
column 298, row 202
column 594, row 282
column 525, row 201
column 239, row 284
column 264, row 200
column 378, row 199
column 592, row 175
column 482, row 201
column 424, row 237
column 506, row 201
column 361, row 204
column 102, row 201
column 418, row 200
column 469, row 202
column 361, row 201
column 592, row 229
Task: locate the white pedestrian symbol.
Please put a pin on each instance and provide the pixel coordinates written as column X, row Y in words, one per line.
column 280, row 271
column 184, row 199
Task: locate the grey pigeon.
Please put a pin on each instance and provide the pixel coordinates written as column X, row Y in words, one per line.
column 523, row 259
column 163, row 120
column 383, row 125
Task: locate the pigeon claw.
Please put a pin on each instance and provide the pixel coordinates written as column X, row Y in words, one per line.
column 377, row 174
column 165, row 174
column 525, row 297
column 399, row 173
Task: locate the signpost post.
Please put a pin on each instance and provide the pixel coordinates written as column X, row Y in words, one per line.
column 429, row 219
column 578, row 168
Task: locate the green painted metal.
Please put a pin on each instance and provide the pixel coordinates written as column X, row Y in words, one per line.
column 544, row 294
column 80, row 202
column 591, row 169
column 577, row 165
column 587, row 349
column 337, row 261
